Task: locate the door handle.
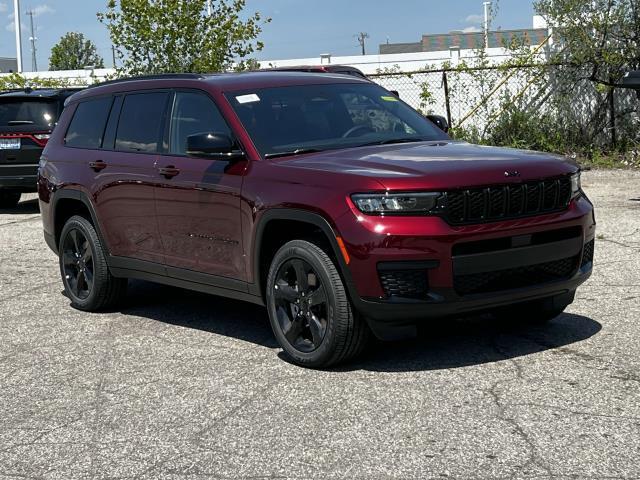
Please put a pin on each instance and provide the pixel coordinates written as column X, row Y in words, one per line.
column 97, row 165
column 169, row 172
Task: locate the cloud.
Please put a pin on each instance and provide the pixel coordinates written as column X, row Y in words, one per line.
column 474, row 19
column 3, row 7
column 471, row 30
column 11, row 27
column 37, row 11
column 42, row 9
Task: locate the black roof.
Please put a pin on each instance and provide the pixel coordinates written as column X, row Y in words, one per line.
column 632, row 80
column 40, row 92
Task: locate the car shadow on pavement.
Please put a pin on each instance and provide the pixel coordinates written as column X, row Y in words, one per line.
column 456, row 343
column 23, row 208
column 209, row 313
column 445, row 344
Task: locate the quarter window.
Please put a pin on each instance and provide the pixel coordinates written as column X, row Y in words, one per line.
column 193, row 113
column 87, row 126
column 140, row 122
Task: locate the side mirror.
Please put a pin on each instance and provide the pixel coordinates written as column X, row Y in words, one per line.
column 395, row 92
column 439, row 121
column 214, row 146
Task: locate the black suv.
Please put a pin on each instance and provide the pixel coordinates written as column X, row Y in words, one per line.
column 27, row 118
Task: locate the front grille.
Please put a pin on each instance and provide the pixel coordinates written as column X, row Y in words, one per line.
column 404, row 283
column 507, row 201
column 487, row 282
column 587, row 254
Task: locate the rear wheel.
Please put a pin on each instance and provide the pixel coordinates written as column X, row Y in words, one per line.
column 83, row 266
column 9, row 198
column 309, row 310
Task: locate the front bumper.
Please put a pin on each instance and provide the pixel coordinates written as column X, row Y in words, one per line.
column 375, row 242
column 22, row 177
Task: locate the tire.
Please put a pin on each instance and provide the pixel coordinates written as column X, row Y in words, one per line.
column 83, row 267
column 314, row 334
column 9, row 198
column 539, row 312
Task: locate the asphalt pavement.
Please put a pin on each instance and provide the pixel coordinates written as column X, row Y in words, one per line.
column 184, row 385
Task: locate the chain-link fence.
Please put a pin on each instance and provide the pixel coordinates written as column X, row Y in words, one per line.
column 483, row 102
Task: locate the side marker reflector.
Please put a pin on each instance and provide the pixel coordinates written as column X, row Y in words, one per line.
column 343, row 249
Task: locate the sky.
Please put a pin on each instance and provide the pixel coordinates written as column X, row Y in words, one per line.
column 299, row 28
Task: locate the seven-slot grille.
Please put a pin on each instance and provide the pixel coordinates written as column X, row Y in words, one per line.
column 508, row 201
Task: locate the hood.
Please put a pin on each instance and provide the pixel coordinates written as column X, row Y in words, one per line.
column 427, row 165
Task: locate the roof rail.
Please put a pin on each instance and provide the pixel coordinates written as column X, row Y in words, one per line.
column 159, row 76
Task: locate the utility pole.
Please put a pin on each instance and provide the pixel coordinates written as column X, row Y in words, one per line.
column 362, row 38
column 487, row 20
column 113, row 55
column 32, row 39
column 16, row 20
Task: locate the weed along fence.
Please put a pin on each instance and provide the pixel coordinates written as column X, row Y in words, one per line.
column 467, row 97
column 529, row 106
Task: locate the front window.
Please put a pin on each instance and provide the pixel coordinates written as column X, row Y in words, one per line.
column 325, row 117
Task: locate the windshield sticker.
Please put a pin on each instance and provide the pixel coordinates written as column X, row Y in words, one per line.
column 251, row 98
column 390, row 99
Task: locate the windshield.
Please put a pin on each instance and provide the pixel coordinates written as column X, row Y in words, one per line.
column 298, row 119
column 20, row 111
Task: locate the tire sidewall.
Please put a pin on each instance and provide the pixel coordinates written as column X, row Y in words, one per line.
column 300, row 250
column 81, row 224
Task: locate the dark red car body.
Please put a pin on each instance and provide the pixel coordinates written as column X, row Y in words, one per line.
column 213, row 226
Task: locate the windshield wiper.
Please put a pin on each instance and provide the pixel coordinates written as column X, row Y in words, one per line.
column 292, row 153
column 391, row 141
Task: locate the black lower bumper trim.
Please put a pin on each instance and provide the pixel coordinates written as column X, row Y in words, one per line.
column 405, row 313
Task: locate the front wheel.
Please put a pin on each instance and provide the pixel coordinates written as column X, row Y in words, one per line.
column 309, row 309
column 83, row 266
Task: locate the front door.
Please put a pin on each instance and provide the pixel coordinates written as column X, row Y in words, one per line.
column 197, row 199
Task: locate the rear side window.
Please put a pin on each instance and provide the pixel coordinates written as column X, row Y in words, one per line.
column 15, row 112
column 140, row 122
column 87, row 126
column 194, row 113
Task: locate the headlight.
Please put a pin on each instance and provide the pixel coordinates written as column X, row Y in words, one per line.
column 576, row 185
column 398, row 203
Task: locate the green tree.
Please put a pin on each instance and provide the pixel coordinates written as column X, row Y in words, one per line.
column 599, row 37
column 164, row 36
column 74, row 52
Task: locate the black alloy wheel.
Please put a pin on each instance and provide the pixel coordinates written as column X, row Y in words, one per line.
column 77, row 264
column 301, row 305
column 87, row 280
column 309, row 308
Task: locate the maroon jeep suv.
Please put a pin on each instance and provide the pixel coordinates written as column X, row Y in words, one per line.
column 323, row 197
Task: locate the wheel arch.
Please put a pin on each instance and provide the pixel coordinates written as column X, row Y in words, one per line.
column 314, row 223
column 67, row 203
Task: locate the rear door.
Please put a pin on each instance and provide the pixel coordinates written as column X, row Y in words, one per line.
column 199, row 204
column 124, row 175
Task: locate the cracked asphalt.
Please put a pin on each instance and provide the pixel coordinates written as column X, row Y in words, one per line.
column 184, row 385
